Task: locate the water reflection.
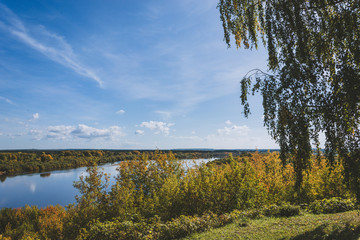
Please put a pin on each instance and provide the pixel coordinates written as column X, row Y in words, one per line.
column 32, row 187
column 45, row 175
column 2, row 178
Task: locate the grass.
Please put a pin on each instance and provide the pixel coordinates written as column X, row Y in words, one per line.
column 342, row 226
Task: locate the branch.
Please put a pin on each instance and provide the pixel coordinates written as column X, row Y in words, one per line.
column 323, row 6
column 258, row 72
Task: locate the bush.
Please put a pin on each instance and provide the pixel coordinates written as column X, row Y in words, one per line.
column 179, row 227
column 117, row 230
column 283, row 210
column 332, row 205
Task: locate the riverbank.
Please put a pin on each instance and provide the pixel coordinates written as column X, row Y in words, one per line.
column 17, row 163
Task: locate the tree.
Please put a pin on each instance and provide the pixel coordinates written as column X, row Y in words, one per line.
column 91, row 203
column 313, row 80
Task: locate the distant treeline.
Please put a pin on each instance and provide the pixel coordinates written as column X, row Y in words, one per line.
column 17, row 162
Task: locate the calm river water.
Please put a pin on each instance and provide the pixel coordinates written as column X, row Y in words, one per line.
column 49, row 188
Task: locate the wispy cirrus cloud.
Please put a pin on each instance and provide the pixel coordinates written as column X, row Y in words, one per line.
column 184, row 71
column 7, row 100
column 53, row 46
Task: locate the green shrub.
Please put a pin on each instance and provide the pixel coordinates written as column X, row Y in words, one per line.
column 332, row 205
column 150, row 229
column 282, row 210
column 117, row 230
column 179, row 227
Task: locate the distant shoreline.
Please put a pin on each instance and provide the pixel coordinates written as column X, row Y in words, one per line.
column 145, row 150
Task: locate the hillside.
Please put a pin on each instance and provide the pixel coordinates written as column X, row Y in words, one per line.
column 310, row 227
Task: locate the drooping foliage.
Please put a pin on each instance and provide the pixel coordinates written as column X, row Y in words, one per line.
column 313, row 81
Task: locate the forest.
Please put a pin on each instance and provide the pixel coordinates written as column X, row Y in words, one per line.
column 156, row 197
column 25, row 161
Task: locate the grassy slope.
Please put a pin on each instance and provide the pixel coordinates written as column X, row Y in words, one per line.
column 344, row 226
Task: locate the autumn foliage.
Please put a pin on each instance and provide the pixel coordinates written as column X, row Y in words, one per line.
column 163, row 198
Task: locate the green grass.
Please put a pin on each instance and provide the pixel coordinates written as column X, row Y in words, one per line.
column 342, row 226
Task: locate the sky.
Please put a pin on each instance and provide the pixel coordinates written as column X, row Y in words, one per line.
column 121, row 74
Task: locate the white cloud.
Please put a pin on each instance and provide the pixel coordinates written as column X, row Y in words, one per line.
column 228, row 122
column 234, row 130
column 158, row 127
column 60, row 131
column 121, row 111
column 49, row 44
column 36, row 134
column 7, row 100
column 83, row 131
column 35, row 116
column 139, row 132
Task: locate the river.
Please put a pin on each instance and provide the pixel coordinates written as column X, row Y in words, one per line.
column 49, row 188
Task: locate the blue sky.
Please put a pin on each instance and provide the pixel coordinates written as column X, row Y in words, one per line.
column 121, row 74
